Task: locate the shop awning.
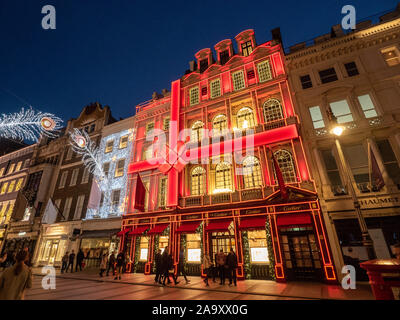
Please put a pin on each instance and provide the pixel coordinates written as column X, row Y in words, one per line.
column 123, row 232
column 293, row 219
column 99, row 233
column 188, row 227
column 252, row 223
column 158, row 228
column 218, row 225
column 138, row 231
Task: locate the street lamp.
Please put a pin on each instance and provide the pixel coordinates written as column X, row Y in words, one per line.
column 337, row 130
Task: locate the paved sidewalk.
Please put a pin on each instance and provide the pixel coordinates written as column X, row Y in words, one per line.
column 258, row 289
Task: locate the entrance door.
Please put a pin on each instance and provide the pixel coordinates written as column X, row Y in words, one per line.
column 53, row 251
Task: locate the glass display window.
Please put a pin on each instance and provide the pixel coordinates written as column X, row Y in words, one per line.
column 143, row 248
column 163, row 242
column 193, row 246
column 258, row 246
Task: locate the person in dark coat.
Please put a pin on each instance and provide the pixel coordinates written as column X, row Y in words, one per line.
column 79, row 259
column 181, row 266
column 71, row 261
column 158, row 262
column 64, row 261
column 111, row 263
column 167, row 264
column 120, row 265
column 231, row 261
column 221, row 263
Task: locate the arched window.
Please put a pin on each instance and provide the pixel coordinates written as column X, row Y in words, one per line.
column 272, row 110
column 252, row 172
column 220, row 124
column 286, row 164
column 245, row 118
column 197, row 131
column 223, row 177
column 198, row 181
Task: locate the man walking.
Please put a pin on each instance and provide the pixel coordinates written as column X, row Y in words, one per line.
column 181, row 266
column 64, row 261
column 166, row 265
column 111, row 263
column 79, row 259
column 231, row 261
column 71, row 261
column 221, row 261
column 158, row 262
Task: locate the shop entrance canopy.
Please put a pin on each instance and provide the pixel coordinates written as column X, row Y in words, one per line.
column 252, row 223
column 188, row 227
column 158, row 228
column 218, row 225
column 138, row 231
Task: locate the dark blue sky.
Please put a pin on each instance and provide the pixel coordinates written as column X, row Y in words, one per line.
column 118, row 52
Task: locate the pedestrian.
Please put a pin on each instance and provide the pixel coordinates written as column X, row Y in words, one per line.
column 231, row 261
column 64, row 262
column 111, row 263
column 207, row 268
column 103, row 264
column 221, row 262
column 3, row 260
column 16, row 279
column 157, row 261
column 79, row 260
column 71, row 259
column 181, row 266
column 166, row 265
column 120, row 263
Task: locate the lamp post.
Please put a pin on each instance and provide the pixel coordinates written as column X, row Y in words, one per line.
column 336, row 130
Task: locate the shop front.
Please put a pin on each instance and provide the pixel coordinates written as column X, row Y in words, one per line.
column 19, row 241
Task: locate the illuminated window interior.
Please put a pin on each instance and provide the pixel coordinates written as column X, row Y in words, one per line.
column 247, row 48
column 119, row 170
column 4, row 188
column 19, row 184
column 11, row 187
column 11, row 169
column 258, row 246
column 123, row 142
column 193, row 247
column 163, row 242
column 272, row 110
column 238, row 80
column 194, row 97
column 264, row 71
column 197, row 131
column 245, row 118
column 391, row 56
column 18, row 167
column 252, row 172
column 316, row 117
column 163, row 193
column 223, row 178
column 143, row 248
column 215, row 87
column 220, row 124
column 198, row 181
column 109, row 146
column 286, row 164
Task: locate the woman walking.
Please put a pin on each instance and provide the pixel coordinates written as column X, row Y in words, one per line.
column 103, row 264
column 16, row 279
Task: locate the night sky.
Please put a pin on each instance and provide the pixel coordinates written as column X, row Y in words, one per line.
column 118, row 52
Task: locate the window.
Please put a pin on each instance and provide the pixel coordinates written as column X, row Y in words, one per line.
column 79, row 207
column 389, row 160
column 116, row 194
column 357, row 158
column 224, row 57
column 18, row 167
column 1, row 172
column 328, row 75
column 109, row 146
column 63, row 179
column 123, row 142
column 247, row 48
column 146, row 197
column 332, row 172
column 144, row 248
column 69, row 154
column 197, row 131
column 106, row 169
column 4, row 188
column 215, row 87
column 306, row 81
column 166, row 123
column 251, row 172
column 74, row 177
column 19, row 184
column 11, row 187
column 162, row 202
column 3, row 209
column 119, row 170
column 342, row 112
column 286, row 164
column 223, row 178
column 198, row 181
column 148, row 153
column 204, row 91
column 264, row 71
column 9, row 212
column 367, row 106
column 391, row 56
column 272, row 110
column 245, row 118
column 220, row 124
column 238, row 80
column 193, row 247
column 351, row 69
column 251, row 74
column 85, row 175
column 28, row 161
column 194, row 97
column 67, row 208
column 258, row 246
column 57, row 204
column 316, row 117
column 11, row 168
column 149, row 127
column 203, row 65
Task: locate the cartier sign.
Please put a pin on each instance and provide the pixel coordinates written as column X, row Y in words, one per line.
column 379, row 202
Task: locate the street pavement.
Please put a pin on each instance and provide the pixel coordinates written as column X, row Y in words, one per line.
column 87, row 285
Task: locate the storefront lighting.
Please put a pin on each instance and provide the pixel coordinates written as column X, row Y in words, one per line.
column 337, row 130
column 216, row 191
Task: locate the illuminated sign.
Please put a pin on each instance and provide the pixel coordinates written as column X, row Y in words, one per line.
column 194, row 255
column 259, row 255
column 143, row 254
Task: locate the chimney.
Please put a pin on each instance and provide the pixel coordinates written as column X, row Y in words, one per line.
column 276, row 36
column 337, row 31
column 192, row 65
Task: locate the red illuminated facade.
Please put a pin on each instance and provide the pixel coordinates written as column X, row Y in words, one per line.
column 239, row 109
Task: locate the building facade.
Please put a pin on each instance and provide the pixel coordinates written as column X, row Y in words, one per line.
column 356, row 76
column 215, row 186
column 101, row 225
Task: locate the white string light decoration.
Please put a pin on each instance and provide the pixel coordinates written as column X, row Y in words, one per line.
column 29, row 125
